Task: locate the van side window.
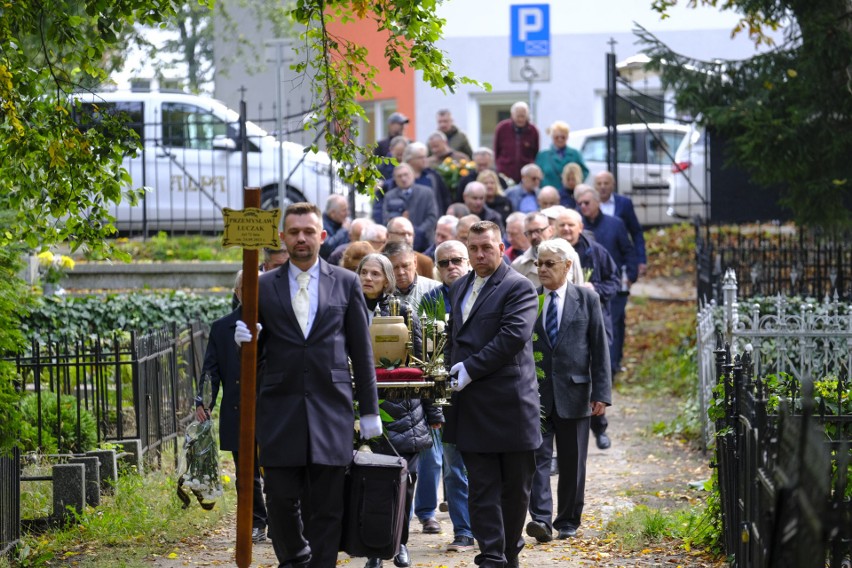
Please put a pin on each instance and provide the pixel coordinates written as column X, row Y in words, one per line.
column 189, row 126
column 89, row 115
column 594, row 149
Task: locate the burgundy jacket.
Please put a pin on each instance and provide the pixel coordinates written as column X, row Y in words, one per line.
column 512, row 150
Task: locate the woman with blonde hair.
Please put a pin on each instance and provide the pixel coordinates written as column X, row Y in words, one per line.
column 572, row 176
column 494, row 197
column 554, row 159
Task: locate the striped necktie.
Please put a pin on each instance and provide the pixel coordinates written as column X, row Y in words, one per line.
column 552, row 319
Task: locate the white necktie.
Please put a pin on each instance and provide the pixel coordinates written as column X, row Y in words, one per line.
column 302, row 302
column 471, row 300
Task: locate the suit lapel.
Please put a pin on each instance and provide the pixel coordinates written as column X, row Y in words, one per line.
column 282, row 288
column 487, row 289
column 569, row 308
column 326, row 283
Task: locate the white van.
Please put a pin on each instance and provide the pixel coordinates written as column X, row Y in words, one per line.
column 688, row 196
column 191, row 163
column 645, row 153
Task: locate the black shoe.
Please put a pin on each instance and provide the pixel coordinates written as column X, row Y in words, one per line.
column 461, row 544
column 568, row 532
column 402, row 559
column 431, row 526
column 299, row 562
column 444, row 507
column 373, row 563
column 258, row 535
column 602, row 441
column 539, row 531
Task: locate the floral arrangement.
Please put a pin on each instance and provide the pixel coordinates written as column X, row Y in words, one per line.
column 453, row 170
column 202, row 466
column 52, row 267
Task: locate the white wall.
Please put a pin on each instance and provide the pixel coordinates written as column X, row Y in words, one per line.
column 477, row 43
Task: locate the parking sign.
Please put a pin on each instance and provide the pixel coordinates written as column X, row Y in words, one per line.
column 530, row 30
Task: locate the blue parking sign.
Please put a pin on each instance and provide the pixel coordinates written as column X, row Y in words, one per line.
column 530, row 30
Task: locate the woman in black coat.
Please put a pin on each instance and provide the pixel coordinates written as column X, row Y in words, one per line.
column 409, row 432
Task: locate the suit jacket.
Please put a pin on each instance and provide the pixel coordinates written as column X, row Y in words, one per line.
column 222, row 363
column 514, row 149
column 422, row 212
column 611, row 233
column 499, row 410
column 625, row 211
column 576, row 369
column 305, row 402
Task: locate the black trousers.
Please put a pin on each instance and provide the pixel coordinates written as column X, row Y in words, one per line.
column 296, row 529
column 258, row 510
column 572, row 449
column 498, row 497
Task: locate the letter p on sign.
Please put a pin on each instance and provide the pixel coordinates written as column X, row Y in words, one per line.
column 530, row 34
column 531, row 22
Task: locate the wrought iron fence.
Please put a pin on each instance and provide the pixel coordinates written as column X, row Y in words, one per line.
column 780, row 505
column 10, row 501
column 771, row 259
column 797, row 337
column 134, row 385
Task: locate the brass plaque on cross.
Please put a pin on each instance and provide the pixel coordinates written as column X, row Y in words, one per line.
column 251, row 228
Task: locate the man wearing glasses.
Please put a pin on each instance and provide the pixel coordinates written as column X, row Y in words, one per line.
column 537, row 229
column 453, row 263
column 570, row 335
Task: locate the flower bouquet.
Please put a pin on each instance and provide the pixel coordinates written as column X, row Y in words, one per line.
column 52, row 269
column 201, row 454
column 453, row 170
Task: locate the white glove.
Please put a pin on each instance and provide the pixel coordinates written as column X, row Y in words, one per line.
column 242, row 333
column 371, row 426
column 462, row 379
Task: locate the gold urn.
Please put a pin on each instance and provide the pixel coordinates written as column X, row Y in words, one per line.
column 389, row 336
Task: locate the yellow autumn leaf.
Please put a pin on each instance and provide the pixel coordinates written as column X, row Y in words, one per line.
column 792, row 73
column 173, row 555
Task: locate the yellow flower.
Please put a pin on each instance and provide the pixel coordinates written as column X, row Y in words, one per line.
column 45, row 258
column 463, row 172
column 66, row 262
column 448, row 160
column 226, row 478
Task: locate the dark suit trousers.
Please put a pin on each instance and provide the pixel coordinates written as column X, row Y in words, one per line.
column 318, row 533
column 618, row 308
column 572, row 449
column 498, row 497
column 258, row 510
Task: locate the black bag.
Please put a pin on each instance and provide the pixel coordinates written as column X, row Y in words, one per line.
column 374, row 505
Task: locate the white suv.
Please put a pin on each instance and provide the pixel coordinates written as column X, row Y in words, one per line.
column 688, row 185
column 190, row 161
column 645, row 155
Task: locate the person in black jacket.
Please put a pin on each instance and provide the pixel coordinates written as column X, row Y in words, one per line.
column 222, row 365
column 408, row 433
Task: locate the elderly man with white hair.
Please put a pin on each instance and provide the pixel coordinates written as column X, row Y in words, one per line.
column 445, row 230
column 577, row 385
column 537, row 228
column 524, row 196
column 515, row 141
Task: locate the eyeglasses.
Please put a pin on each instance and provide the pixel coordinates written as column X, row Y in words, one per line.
column 457, row 261
column 583, row 202
column 532, row 232
column 548, row 263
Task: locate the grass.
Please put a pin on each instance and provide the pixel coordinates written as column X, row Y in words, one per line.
column 645, row 527
column 163, row 248
column 143, row 518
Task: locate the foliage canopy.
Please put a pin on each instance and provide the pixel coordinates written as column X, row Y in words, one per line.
column 787, row 112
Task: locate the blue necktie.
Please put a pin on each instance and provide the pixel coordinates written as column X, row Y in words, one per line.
column 551, row 318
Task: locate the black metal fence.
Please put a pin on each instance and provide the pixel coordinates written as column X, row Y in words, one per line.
column 783, row 472
column 771, row 259
column 10, row 501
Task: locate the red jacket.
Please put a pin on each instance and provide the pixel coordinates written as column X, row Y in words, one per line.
column 512, row 150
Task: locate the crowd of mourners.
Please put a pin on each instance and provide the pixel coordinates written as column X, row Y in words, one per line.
column 481, row 230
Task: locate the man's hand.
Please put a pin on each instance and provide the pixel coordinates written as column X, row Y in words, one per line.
column 598, row 408
column 242, row 333
column 371, row 426
column 643, row 269
column 201, row 413
column 462, row 378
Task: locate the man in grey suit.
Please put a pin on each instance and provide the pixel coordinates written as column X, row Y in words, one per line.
column 494, row 416
column 414, row 201
column 577, row 384
column 313, row 321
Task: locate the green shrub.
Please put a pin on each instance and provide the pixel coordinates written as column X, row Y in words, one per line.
column 58, row 436
column 103, row 314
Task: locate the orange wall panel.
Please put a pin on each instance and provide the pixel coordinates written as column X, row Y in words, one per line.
column 394, row 84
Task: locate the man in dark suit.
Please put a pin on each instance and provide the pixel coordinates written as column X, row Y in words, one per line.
column 313, row 322
column 571, row 337
column 222, row 366
column 413, row 201
column 494, row 417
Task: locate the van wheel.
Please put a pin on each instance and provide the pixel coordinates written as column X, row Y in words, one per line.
column 269, row 197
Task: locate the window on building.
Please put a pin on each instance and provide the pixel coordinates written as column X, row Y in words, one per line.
column 375, row 126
